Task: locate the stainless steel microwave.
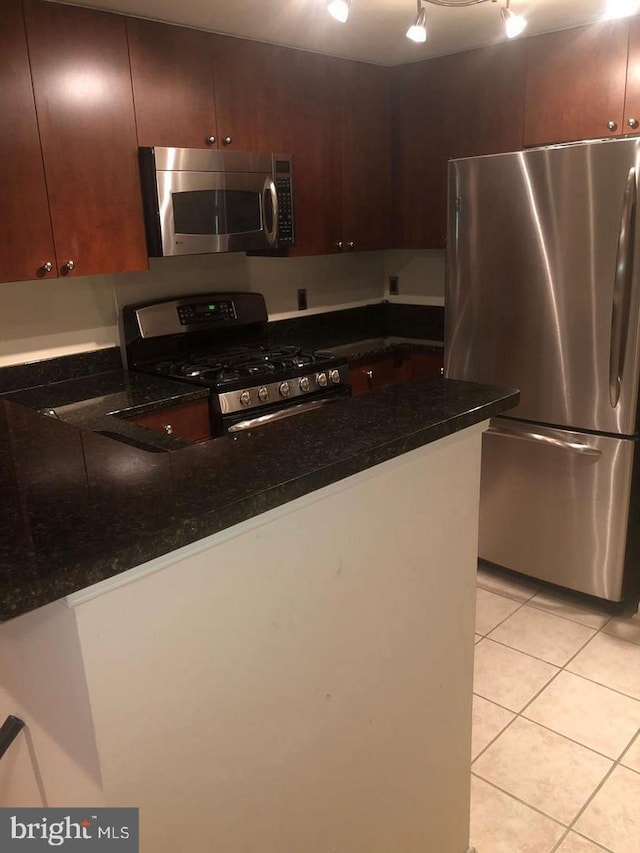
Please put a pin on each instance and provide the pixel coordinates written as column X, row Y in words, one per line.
column 199, row 201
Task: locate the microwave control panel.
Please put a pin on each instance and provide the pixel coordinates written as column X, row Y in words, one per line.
column 284, row 189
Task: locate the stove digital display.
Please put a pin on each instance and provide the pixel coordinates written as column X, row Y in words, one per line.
column 206, row 312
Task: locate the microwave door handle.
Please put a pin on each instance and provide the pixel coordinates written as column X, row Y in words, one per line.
column 622, row 287
column 270, row 190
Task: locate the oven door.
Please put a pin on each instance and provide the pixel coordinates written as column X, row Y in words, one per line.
column 239, row 422
column 202, row 212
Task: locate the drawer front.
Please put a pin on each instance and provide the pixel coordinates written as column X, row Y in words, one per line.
column 186, row 420
column 554, row 505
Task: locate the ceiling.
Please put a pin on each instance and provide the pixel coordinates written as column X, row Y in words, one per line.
column 375, row 30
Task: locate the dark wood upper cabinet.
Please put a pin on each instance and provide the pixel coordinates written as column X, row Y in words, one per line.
column 26, row 241
column 454, row 106
column 366, row 156
column 313, row 137
column 172, row 74
column 253, row 94
column 576, row 83
column 82, row 87
column 632, row 95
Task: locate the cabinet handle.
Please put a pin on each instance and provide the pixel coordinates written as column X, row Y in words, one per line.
column 168, row 429
column 612, row 125
column 210, row 140
column 339, row 245
column 69, row 267
column 227, row 140
column 633, row 122
column 369, row 375
column 47, row 266
column 351, row 245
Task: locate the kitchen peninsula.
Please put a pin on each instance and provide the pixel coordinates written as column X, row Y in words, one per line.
column 264, row 642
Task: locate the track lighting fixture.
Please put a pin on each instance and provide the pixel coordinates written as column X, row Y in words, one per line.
column 339, row 9
column 418, row 32
column 513, row 24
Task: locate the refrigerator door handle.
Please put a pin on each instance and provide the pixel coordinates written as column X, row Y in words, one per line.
column 561, row 444
column 622, row 287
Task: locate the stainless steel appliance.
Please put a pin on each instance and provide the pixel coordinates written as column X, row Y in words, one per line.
column 543, row 294
column 199, row 201
column 220, row 340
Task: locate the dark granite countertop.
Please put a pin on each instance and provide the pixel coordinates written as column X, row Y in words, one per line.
column 376, row 347
column 79, row 507
column 98, row 403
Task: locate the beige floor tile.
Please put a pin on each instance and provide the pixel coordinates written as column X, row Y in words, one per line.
column 491, row 609
column 540, row 634
column 631, row 758
column 488, row 721
column 542, row 768
column 589, row 713
column 626, row 629
column 508, row 677
column 500, row 824
column 613, row 817
column 519, row 589
column 612, row 662
column 570, row 607
column 575, row 843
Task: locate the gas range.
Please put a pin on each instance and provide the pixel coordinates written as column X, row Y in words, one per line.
column 219, row 340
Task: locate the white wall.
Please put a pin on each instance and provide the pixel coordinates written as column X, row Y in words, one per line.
column 420, row 275
column 44, row 319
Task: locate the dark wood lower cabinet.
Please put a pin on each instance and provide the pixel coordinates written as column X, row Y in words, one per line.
column 395, row 368
column 185, row 420
column 82, row 86
column 372, row 375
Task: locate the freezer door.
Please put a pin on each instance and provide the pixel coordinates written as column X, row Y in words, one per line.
column 554, row 505
column 542, row 268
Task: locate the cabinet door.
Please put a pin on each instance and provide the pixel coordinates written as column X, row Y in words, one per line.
column 82, row 86
column 172, row 74
column 366, row 178
column 427, row 363
column 419, row 154
column 313, row 137
column 454, row 106
column 26, row 242
column 252, row 94
column 576, row 83
column 371, row 376
column 632, row 97
column 185, row 420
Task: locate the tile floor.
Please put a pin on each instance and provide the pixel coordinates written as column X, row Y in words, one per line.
column 556, row 723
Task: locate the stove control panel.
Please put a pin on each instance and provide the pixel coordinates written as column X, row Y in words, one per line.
column 205, row 312
column 235, row 401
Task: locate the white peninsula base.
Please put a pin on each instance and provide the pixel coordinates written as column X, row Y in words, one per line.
column 300, row 683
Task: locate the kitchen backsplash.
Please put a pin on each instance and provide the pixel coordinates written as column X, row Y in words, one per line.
column 48, row 319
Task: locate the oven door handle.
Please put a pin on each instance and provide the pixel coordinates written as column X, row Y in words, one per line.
column 270, row 191
column 300, row 409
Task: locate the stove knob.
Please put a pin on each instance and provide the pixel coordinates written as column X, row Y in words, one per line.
column 335, row 376
column 304, row 383
column 245, row 398
column 284, row 389
column 321, row 379
column 263, row 393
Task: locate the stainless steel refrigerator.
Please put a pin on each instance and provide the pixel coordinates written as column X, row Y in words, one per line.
column 543, row 294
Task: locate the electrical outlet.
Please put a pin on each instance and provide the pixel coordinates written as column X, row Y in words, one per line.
column 393, row 285
column 302, row 299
